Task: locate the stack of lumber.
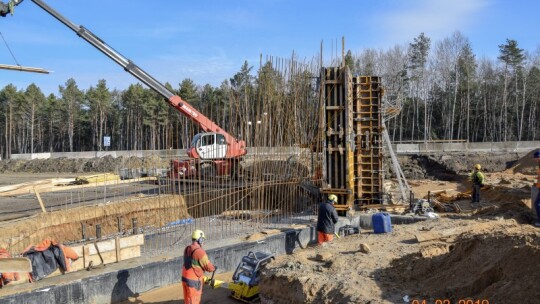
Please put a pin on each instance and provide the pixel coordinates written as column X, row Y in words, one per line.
column 97, row 178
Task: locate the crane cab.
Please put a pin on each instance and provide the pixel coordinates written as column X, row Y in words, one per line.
column 208, row 146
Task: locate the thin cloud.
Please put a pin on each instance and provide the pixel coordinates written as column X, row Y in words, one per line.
column 435, row 18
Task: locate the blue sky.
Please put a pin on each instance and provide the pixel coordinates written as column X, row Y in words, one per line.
column 208, row 41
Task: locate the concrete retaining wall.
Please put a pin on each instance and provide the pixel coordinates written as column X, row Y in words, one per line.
column 117, row 284
column 176, row 153
column 32, row 156
column 498, row 147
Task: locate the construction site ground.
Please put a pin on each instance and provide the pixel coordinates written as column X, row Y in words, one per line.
column 485, row 253
column 173, row 294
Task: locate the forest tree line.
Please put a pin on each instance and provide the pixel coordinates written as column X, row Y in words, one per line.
column 265, row 108
column 447, row 93
column 444, row 90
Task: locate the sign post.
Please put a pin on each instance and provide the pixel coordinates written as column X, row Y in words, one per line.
column 106, row 142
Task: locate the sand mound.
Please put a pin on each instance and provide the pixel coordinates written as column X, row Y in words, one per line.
column 494, row 260
column 499, row 268
column 525, row 165
column 73, row 165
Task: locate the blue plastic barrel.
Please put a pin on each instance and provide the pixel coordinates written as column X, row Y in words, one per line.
column 381, row 222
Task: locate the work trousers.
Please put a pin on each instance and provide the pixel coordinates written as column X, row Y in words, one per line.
column 192, row 295
column 324, row 237
column 476, row 193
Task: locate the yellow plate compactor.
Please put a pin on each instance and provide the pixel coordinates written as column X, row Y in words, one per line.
column 246, row 278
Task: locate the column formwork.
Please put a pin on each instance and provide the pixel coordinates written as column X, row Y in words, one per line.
column 351, row 118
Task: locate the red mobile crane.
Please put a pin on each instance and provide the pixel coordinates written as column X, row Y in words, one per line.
column 213, row 152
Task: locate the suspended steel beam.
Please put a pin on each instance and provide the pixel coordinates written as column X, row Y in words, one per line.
column 23, row 69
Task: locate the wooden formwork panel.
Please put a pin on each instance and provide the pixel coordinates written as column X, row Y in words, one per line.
column 353, row 142
column 339, row 135
column 368, row 141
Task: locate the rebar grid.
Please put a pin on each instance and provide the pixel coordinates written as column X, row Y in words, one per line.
column 277, row 185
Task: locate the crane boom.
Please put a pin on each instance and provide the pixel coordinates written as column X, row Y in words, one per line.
column 236, row 147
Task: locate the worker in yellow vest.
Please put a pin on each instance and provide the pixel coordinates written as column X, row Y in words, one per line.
column 477, row 178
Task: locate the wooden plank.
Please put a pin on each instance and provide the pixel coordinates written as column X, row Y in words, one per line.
column 108, row 258
column 438, row 205
column 86, row 254
column 441, row 190
column 110, row 245
column 40, row 201
column 117, row 245
column 15, row 265
column 131, row 241
column 23, row 69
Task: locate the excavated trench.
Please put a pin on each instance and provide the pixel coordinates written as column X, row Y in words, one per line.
column 498, row 266
column 488, row 254
column 452, row 166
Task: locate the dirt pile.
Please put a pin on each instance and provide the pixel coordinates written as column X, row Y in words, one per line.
column 71, row 165
column 486, row 261
column 497, row 267
column 525, row 165
column 453, row 166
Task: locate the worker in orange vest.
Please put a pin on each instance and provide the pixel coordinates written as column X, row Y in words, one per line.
column 536, row 190
column 196, row 262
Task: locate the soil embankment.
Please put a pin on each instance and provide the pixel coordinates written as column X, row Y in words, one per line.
column 486, row 261
column 436, row 166
column 456, row 166
column 82, row 165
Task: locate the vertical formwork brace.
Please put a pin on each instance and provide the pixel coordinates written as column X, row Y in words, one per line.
column 339, row 134
column 368, row 141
